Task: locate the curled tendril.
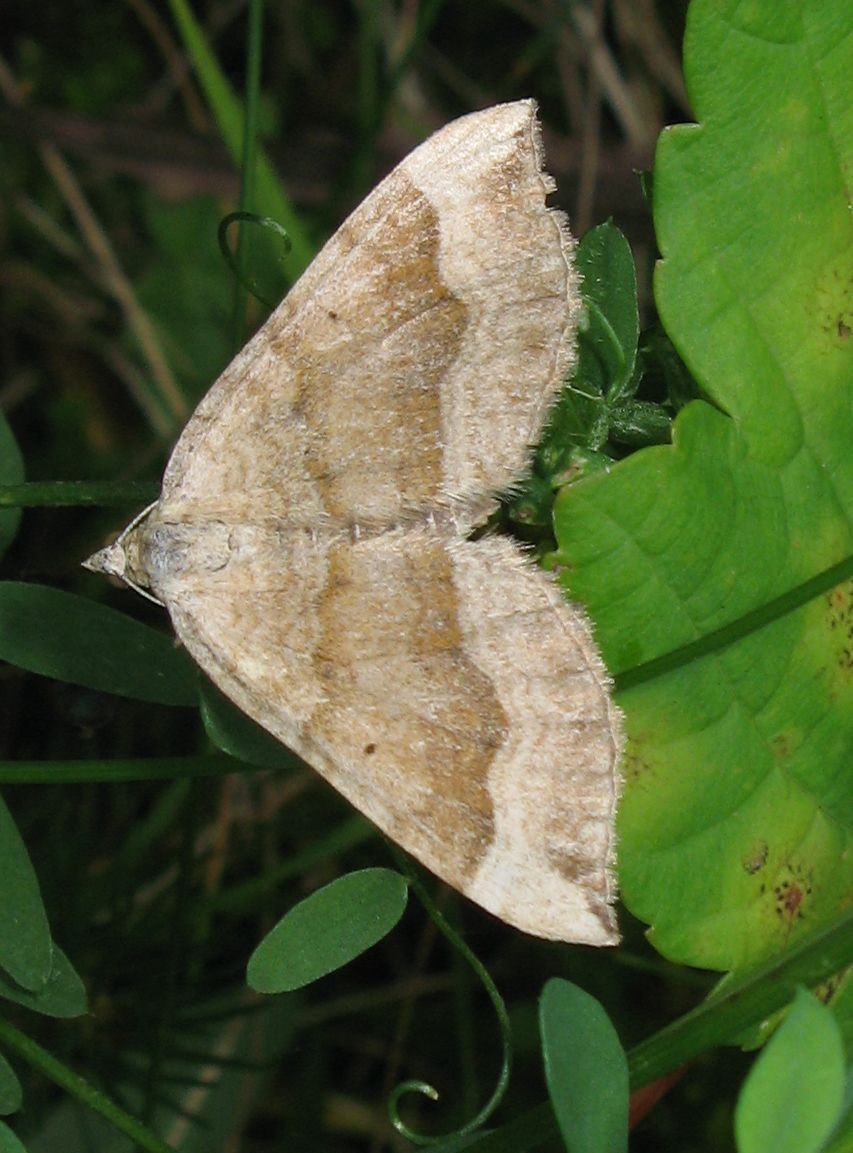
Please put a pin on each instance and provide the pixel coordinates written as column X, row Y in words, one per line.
column 222, row 236
column 423, row 1087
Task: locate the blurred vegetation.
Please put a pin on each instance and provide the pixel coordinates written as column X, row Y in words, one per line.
column 118, row 312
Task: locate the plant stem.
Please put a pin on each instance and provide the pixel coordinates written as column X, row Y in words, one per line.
column 117, row 769
column 77, row 493
column 80, row 1088
column 739, row 1003
column 727, row 634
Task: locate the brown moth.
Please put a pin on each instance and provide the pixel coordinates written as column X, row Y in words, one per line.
column 311, row 541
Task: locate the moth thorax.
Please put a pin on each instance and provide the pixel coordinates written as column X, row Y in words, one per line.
column 160, row 553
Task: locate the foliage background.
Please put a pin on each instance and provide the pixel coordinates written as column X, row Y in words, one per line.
column 118, row 311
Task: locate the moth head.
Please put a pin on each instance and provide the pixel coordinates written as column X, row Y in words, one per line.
column 122, row 559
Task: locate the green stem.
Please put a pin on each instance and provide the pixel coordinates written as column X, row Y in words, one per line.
column 226, row 108
column 734, row 631
column 482, row 974
column 78, row 493
column 80, row 1088
column 248, row 166
column 740, row 1003
column 120, row 769
column 240, row 275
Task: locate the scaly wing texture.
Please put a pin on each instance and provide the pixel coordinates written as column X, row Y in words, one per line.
column 417, row 357
column 446, row 689
column 310, row 539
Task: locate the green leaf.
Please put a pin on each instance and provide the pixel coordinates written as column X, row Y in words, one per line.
column 238, row 735
column 11, row 472
column 794, row 1092
column 841, row 1140
column 736, row 822
column 73, row 639
column 586, row 1070
column 607, row 350
column 636, row 423
column 9, row 1143
column 736, row 1005
column 188, row 290
column 63, row 995
column 26, row 951
column 328, row 930
column 605, row 262
column 270, row 199
column 11, row 1095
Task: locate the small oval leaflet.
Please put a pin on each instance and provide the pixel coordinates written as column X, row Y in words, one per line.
column 327, row 930
column 311, row 541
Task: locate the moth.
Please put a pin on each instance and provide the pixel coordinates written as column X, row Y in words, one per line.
column 312, row 541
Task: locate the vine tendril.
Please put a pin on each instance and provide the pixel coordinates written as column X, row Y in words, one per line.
column 423, row 1087
column 228, row 255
